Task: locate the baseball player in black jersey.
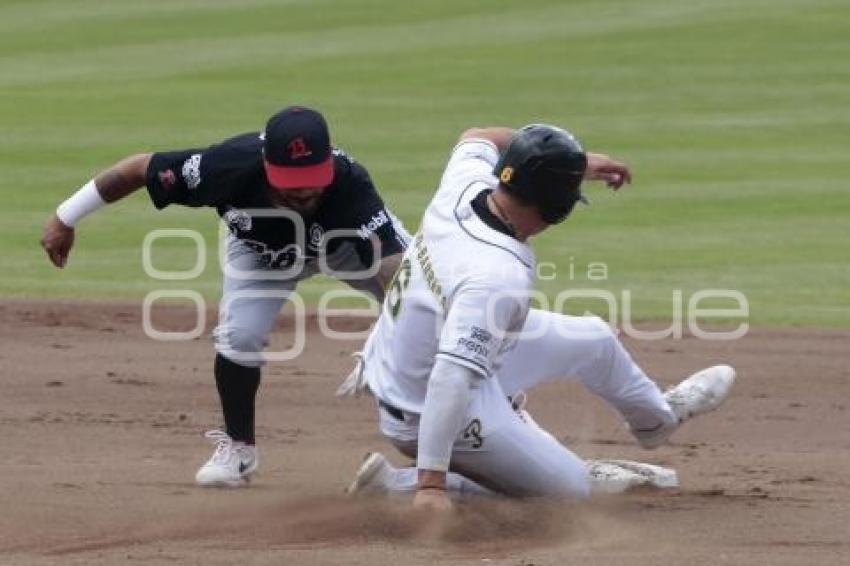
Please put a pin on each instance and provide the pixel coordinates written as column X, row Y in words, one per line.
column 280, row 192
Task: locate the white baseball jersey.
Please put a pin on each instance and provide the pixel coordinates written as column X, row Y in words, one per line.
column 461, row 292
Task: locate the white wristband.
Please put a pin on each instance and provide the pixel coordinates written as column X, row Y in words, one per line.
column 83, row 202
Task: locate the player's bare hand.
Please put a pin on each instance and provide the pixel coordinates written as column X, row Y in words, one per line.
column 601, row 167
column 432, row 499
column 57, row 241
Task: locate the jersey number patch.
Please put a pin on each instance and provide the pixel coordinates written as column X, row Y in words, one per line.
column 400, row 281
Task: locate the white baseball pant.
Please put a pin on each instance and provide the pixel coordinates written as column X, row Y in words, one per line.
column 499, row 451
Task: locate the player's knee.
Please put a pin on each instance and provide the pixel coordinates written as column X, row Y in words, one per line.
column 239, row 345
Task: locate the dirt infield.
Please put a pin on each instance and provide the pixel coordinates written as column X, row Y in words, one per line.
column 101, row 430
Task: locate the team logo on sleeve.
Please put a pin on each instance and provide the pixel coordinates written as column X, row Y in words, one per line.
column 192, row 171
column 167, row 178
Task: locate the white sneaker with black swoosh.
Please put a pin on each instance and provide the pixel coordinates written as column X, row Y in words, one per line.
column 231, row 465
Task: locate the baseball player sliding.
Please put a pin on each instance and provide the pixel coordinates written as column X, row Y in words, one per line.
column 457, row 342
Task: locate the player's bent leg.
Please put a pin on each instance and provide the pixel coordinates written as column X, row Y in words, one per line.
column 509, row 456
column 521, row 462
column 240, row 337
column 700, row 393
column 242, row 346
column 247, row 313
column 377, row 475
column 248, row 308
column 556, row 346
column 497, row 453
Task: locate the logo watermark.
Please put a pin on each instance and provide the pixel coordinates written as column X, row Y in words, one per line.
column 260, row 280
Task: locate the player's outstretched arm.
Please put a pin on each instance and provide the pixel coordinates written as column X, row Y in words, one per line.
column 601, row 167
column 113, row 184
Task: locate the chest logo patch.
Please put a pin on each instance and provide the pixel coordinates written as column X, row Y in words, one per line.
column 317, row 236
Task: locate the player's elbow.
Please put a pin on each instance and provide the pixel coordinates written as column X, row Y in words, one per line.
column 136, row 166
column 472, row 133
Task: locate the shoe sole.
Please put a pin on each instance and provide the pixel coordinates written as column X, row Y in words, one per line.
column 372, row 464
column 241, row 482
column 722, row 385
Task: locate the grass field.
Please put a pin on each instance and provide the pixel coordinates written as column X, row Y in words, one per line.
column 733, row 115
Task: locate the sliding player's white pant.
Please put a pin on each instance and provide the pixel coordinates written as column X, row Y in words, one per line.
column 499, row 450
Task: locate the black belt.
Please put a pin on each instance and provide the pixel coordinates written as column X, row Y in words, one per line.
column 394, row 412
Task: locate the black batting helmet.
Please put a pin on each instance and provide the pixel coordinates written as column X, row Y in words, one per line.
column 544, row 165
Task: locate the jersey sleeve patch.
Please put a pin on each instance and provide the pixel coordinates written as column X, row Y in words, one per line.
column 174, row 177
column 477, row 326
column 473, row 350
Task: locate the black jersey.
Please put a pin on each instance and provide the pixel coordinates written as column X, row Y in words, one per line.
column 230, row 177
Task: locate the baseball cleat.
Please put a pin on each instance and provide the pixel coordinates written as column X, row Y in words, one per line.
column 370, row 477
column 231, row 465
column 700, row 393
column 617, row 476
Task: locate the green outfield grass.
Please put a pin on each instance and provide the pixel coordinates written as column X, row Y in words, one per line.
column 734, row 115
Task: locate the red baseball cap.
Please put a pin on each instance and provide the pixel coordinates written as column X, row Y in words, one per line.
column 297, row 149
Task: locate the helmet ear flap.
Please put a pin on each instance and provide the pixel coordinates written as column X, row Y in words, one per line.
column 559, row 213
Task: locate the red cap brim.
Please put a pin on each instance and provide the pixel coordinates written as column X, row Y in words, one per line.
column 287, row 177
